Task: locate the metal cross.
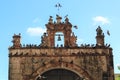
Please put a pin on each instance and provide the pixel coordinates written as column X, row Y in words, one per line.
column 58, row 6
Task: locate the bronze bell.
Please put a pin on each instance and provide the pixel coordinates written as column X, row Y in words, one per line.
column 59, row 38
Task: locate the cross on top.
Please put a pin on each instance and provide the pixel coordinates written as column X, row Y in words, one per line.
column 58, row 6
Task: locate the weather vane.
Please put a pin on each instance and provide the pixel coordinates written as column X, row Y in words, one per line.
column 58, row 6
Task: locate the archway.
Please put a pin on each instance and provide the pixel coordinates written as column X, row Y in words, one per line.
column 62, row 65
column 59, row 74
column 59, row 39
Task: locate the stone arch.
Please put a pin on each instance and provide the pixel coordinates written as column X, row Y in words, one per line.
column 59, row 35
column 62, row 65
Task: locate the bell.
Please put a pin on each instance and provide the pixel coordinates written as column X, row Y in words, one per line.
column 59, row 38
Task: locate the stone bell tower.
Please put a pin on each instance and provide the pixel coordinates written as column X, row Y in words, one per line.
column 64, row 27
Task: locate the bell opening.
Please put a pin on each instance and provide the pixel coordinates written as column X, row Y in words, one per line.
column 59, row 39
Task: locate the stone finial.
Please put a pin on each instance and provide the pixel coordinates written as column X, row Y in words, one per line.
column 66, row 20
column 58, row 18
column 50, row 19
column 16, row 41
column 99, row 37
column 99, row 31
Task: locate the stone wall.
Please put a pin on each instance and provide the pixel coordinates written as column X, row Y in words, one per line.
column 26, row 64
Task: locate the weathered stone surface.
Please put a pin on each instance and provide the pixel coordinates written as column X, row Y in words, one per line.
column 92, row 62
